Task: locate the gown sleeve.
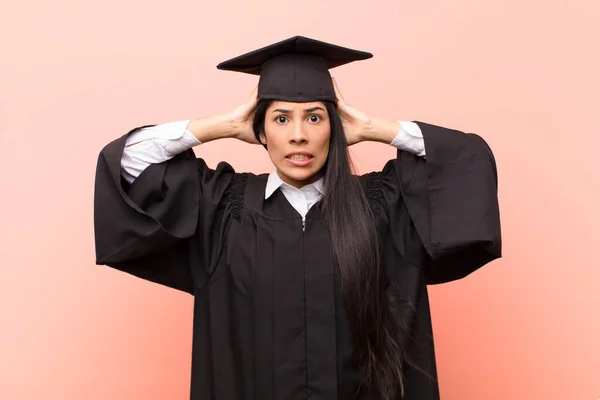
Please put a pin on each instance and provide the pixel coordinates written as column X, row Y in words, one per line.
column 446, row 202
column 170, row 218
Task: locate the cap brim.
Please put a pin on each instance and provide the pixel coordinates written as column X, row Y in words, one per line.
column 251, row 62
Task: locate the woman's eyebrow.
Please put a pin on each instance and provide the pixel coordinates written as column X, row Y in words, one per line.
column 313, row 109
column 281, row 110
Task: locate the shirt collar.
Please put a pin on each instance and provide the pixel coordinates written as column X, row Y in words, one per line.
column 274, row 182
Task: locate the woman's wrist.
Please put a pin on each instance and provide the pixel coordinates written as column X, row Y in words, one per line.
column 381, row 130
column 212, row 128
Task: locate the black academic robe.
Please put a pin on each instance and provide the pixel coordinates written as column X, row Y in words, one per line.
column 268, row 317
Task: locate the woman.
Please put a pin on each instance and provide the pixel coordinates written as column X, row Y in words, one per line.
column 309, row 282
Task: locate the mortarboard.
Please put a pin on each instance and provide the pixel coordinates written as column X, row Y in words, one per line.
column 295, row 69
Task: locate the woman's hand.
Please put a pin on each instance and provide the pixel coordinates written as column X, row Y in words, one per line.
column 242, row 117
column 236, row 124
column 359, row 126
column 355, row 122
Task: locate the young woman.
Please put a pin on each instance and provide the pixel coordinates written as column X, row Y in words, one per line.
column 308, row 282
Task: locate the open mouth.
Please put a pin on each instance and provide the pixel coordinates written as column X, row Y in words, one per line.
column 300, row 160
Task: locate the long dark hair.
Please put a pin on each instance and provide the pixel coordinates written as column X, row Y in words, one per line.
column 375, row 329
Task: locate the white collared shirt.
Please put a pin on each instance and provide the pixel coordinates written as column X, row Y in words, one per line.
column 301, row 199
column 162, row 142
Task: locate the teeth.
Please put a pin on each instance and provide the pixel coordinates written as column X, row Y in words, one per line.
column 299, row 157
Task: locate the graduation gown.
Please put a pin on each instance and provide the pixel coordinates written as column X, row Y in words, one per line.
column 268, row 316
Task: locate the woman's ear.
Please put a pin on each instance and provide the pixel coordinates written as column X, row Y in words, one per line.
column 263, row 138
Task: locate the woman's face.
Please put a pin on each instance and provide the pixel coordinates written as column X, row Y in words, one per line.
column 297, row 139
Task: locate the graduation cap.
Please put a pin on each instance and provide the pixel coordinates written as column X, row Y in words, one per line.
column 295, row 69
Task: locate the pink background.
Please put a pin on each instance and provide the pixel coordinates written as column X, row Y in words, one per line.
column 75, row 75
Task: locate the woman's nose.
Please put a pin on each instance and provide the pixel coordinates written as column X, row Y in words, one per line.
column 298, row 135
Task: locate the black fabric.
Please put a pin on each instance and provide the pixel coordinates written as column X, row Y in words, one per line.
column 268, row 315
column 295, row 69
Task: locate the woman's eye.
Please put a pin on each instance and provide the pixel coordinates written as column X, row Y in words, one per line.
column 281, row 119
column 315, row 118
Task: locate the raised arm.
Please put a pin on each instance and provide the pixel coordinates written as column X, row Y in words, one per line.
column 159, row 210
column 359, row 127
column 156, row 144
column 439, row 194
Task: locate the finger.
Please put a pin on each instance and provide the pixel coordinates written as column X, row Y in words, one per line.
column 250, row 104
column 338, row 94
column 252, row 100
column 254, row 95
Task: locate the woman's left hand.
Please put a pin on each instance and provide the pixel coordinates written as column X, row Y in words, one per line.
column 355, row 122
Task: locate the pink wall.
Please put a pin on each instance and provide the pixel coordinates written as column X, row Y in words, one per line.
column 75, row 75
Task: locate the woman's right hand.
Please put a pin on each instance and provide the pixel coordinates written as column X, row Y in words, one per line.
column 236, row 124
column 242, row 117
